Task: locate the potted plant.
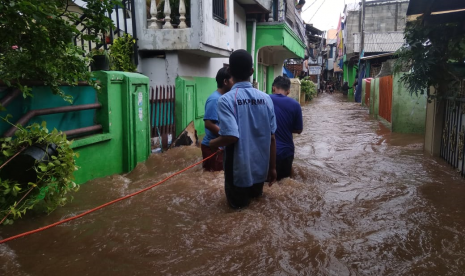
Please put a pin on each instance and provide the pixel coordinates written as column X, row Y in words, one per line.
column 37, row 172
column 122, row 54
column 100, row 60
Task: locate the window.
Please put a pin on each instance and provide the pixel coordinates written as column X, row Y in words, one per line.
column 237, row 27
column 219, row 10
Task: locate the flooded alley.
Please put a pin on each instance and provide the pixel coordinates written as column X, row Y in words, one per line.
column 363, row 201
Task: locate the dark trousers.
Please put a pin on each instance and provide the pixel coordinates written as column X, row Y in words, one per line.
column 238, row 197
column 213, row 164
column 284, row 167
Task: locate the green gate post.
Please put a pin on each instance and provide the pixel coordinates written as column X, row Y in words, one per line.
column 136, row 119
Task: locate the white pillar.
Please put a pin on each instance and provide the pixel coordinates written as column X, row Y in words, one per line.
column 167, row 12
column 182, row 13
column 153, row 13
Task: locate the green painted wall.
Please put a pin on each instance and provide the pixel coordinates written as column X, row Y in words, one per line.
column 364, row 83
column 44, row 98
column 374, row 97
column 351, row 75
column 270, row 78
column 126, row 128
column 124, row 116
column 273, row 34
column 259, row 76
column 408, row 111
column 191, row 96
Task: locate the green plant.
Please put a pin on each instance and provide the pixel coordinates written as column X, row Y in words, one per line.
column 54, row 178
column 36, row 41
column 121, row 54
column 98, row 52
column 309, row 88
column 432, row 56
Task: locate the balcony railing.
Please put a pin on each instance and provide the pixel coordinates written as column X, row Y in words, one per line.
column 155, row 23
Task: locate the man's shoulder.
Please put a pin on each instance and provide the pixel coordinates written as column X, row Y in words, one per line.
column 214, row 96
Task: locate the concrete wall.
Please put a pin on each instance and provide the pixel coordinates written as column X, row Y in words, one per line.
column 214, row 33
column 295, row 90
column 380, row 18
column 352, row 26
column 435, row 112
column 205, row 36
column 124, row 140
column 408, row 111
column 240, row 34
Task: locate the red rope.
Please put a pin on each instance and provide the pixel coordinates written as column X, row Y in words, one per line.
column 8, row 161
column 103, row 205
column 16, row 204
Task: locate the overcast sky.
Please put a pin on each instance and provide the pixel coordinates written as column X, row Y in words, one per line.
column 328, row 13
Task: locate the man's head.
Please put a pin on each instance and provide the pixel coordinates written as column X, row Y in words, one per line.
column 240, row 65
column 281, row 85
column 223, row 79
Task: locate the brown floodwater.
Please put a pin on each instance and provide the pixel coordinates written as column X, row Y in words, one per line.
column 363, row 201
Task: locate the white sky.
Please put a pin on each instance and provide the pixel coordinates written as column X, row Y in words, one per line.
column 327, row 16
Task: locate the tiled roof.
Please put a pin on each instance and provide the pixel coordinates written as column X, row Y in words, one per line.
column 380, row 42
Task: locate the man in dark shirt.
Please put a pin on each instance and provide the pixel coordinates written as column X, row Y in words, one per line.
column 289, row 120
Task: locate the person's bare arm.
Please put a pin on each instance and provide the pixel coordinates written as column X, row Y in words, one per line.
column 272, row 167
column 210, row 125
column 222, row 141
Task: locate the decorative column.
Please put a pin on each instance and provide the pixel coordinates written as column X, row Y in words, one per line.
column 153, row 13
column 182, row 13
column 167, row 12
column 270, row 17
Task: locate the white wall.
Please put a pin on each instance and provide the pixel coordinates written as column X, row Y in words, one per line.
column 199, row 66
column 240, row 38
column 215, row 33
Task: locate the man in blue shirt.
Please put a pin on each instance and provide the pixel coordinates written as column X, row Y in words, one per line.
column 224, row 84
column 247, row 126
column 289, row 120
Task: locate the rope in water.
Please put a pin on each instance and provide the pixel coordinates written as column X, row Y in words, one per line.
column 104, row 205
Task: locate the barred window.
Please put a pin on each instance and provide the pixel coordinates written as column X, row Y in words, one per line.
column 219, row 11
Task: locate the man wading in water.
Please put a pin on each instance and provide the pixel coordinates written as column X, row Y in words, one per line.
column 289, row 120
column 247, row 127
column 224, row 84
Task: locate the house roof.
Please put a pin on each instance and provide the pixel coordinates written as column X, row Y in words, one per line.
column 423, row 6
column 378, row 56
column 380, row 42
column 437, row 11
column 312, row 30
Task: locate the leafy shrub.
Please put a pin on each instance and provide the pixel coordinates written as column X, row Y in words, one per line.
column 121, row 54
column 309, row 88
column 54, row 178
column 36, row 42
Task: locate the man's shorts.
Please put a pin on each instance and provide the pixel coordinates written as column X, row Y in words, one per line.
column 284, row 167
column 213, row 164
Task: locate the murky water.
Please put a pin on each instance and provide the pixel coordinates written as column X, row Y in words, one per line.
column 363, row 202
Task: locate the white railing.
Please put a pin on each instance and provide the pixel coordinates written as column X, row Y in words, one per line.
column 153, row 21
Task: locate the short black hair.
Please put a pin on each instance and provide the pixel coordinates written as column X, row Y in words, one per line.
column 222, row 75
column 282, row 83
column 240, row 63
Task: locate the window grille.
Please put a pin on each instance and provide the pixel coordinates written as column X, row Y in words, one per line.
column 219, row 13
